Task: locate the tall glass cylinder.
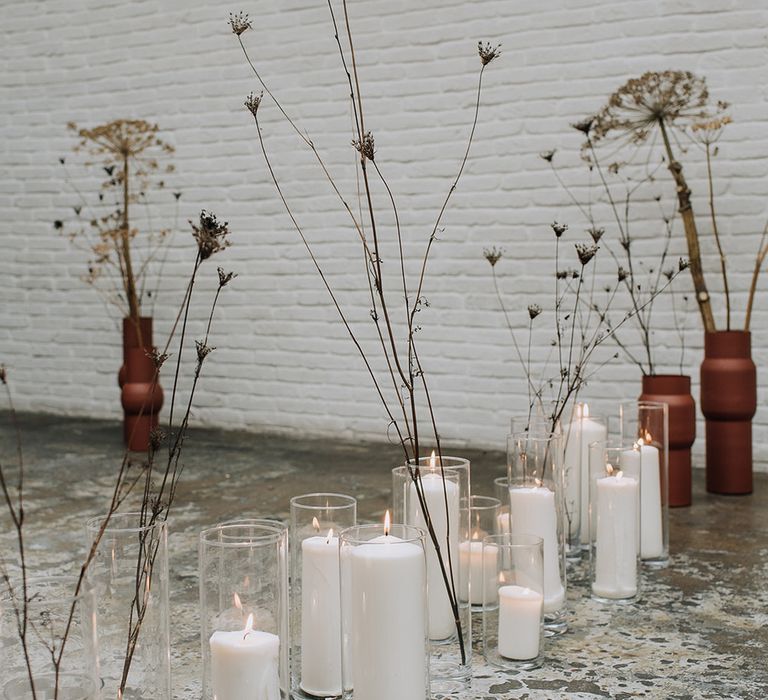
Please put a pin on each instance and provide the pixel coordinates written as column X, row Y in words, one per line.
column 647, row 423
column 443, row 487
column 130, row 579
column 615, row 522
column 244, row 610
column 50, row 601
column 536, row 485
column 501, row 492
column 512, row 623
column 384, row 618
column 316, row 521
column 484, row 520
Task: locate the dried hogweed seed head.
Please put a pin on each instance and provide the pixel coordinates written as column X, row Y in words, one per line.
column 493, row 255
column 584, row 125
column 488, row 52
column 225, row 277
column 586, row 252
column 252, row 103
column 548, row 155
column 365, row 147
column 683, row 264
column 203, row 350
column 559, row 229
column 533, row 311
column 239, row 22
column 596, row 233
column 211, row 236
column 621, row 274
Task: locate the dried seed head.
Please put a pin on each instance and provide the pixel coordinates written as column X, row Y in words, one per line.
column 596, row 233
column 586, row 252
column 493, row 255
column 366, row 146
column 156, row 438
column 252, row 103
column 158, row 358
column 622, row 274
column 533, row 311
column 3, row 375
column 203, row 350
column 548, row 155
column 585, row 125
column 211, row 236
column 488, row 52
column 225, row 277
column 239, row 22
column 683, row 264
column 559, row 229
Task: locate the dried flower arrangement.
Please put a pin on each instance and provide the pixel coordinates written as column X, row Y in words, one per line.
column 668, row 105
column 121, row 257
column 405, row 369
column 150, row 485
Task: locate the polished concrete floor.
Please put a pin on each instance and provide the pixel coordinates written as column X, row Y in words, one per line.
column 700, row 630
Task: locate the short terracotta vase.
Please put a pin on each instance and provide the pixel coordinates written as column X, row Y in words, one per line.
column 728, row 402
column 675, row 391
column 133, row 337
column 142, row 399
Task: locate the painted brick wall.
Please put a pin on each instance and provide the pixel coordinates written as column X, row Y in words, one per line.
column 283, row 361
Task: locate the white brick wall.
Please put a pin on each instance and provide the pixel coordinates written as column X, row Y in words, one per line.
column 283, row 361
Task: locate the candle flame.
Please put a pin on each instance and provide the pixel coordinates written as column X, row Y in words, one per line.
column 640, row 442
column 238, row 602
column 387, row 523
column 432, row 460
column 538, row 482
column 248, row 626
column 609, row 469
column 585, row 410
column 316, row 524
column 330, row 536
column 648, row 438
column 619, row 474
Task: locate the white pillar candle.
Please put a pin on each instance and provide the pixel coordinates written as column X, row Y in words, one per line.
column 320, row 616
column 651, row 539
column 387, row 578
column 520, row 611
column 436, row 492
column 533, row 513
column 244, row 664
column 616, row 536
column 478, row 572
column 591, row 431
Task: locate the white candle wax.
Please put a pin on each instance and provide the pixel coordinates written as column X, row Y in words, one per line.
column 520, row 611
column 502, row 521
column 651, row 539
column 533, row 513
column 436, row 492
column 616, row 537
column 478, row 572
column 320, row 616
column 388, row 620
column 244, row 665
column 591, row 431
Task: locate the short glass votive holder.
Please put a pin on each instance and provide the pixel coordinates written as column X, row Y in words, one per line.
column 536, row 486
column 384, row 616
column 244, row 610
column 51, row 600
column 513, row 623
column 316, row 521
column 647, row 423
column 443, row 485
column 484, row 514
column 615, row 522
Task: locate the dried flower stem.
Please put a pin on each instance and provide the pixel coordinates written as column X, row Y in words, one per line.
column 713, row 217
column 762, row 253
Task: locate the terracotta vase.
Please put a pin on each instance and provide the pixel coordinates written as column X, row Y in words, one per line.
column 134, row 337
column 728, row 402
column 142, row 399
column 675, row 391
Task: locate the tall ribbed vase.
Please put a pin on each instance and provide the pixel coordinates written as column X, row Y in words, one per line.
column 728, row 402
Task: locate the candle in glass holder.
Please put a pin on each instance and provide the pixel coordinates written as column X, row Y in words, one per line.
column 520, row 610
column 478, row 570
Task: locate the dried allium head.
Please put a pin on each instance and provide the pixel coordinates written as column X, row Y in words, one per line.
column 683, row 264
column 671, row 98
column 239, row 22
column 211, row 236
column 493, row 255
column 488, row 52
column 622, row 274
column 586, row 252
column 203, row 350
column 559, row 229
column 225, row 277
column 252, row 103
column 533, row 311
column 596, row 233
column 366, row 147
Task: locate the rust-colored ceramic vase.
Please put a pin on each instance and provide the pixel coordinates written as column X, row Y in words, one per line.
column 134, row 336
column 728, row 402
column 142, row 399
column 675, row 391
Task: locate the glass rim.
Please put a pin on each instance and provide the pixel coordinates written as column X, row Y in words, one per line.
column 273, row 532
column 404, row 470
column 522, row 540
column 533, row 437
column 93, row 525
column 349, row 534
column 488, row 502
column 85, row 589
column 84, row 681
column 645, row 404
column 446, row 461
column 344, row 501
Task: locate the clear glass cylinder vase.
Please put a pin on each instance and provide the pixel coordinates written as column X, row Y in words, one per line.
column 647, row 423
column 244, row 610
column 71, row 674
column 385, row 619
column 536, row 486
column 513, row 621
column 316, row 521
column 443, row 487
column 129, row 574
column 615, row 522
column 484, row 512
